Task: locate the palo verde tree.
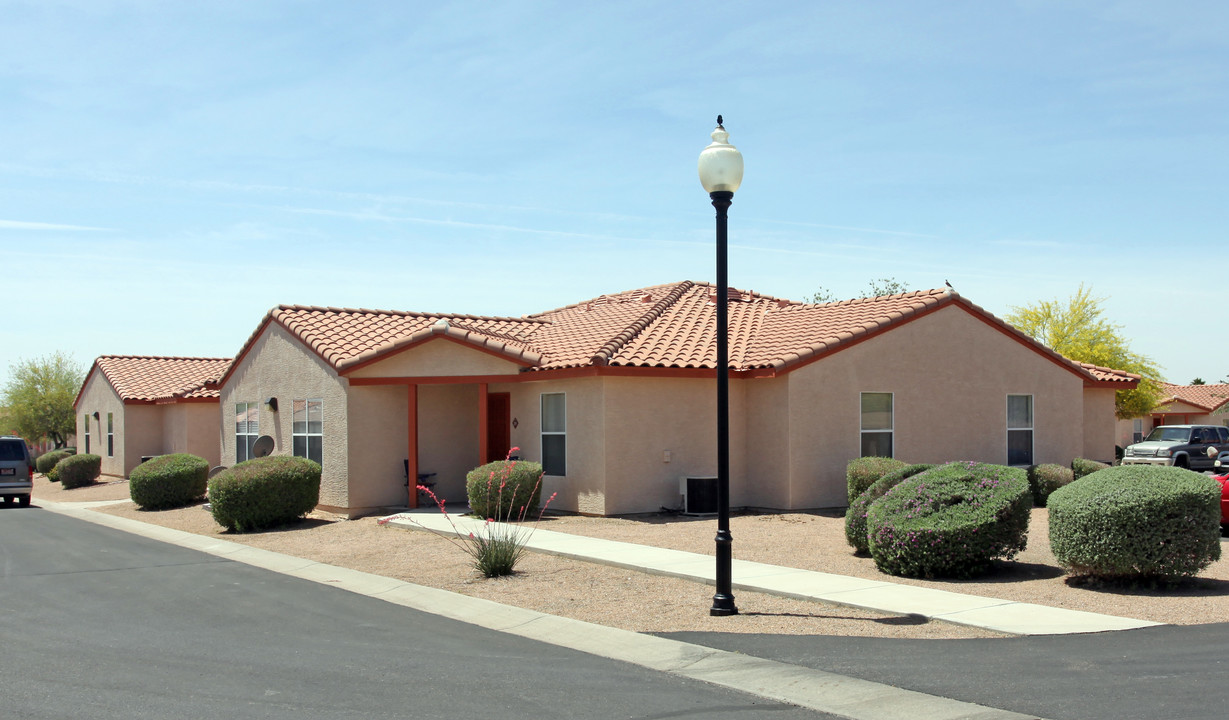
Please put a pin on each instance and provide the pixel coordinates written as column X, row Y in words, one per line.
column 39, row 397
column 874, row 288
column 1076, row 328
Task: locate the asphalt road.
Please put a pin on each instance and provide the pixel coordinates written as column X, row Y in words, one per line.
column 101, row 624
column 1174, row 672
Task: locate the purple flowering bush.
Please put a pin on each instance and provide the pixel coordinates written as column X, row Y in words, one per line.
column 1136, row 522
column 855, row 516
column 951, row 521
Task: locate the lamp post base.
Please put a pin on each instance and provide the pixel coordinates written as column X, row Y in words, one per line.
column 723, row 600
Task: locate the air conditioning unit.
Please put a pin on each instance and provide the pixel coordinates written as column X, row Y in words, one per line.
column 699, row 495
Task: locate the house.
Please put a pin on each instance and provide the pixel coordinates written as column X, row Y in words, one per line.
column 1181, row 405
column 615, row 396
column 134, row 406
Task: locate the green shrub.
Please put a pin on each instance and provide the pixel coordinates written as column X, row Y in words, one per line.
column 53, row 474
column 1081, row 467
column 855, row 516
column 48, row 460
column 1045, row 479
column 78, row 470
column 264, row 492
column 1136, row 522
column 169, row 481
column 508, row 490
column 951, row 521
column 862, row 472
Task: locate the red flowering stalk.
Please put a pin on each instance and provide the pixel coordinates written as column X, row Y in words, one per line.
column 501, row 542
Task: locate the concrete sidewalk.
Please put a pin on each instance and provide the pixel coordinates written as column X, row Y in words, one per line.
column 1005, row 616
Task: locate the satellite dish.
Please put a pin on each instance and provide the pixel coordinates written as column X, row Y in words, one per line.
column 262, row 447
column 217, row 470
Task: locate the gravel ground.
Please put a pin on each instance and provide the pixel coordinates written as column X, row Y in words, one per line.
column 649, row 603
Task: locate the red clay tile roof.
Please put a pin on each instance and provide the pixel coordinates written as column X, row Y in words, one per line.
column 665, row 326
column 1110, row 375
column 1210, row 397
column 144, row 378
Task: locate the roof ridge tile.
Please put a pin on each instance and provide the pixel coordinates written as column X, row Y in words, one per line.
column 612, row 346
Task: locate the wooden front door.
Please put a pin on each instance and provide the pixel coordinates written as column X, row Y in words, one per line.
column 499, row 426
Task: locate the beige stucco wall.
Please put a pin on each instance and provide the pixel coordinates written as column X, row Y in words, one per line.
column 98, row 396
column 648, row 417
column 194, row 428
column 950, row 374
column 768, row 443
column 448, row 437
column 279, row 366
column 583, row 488
column 1100, row 424
column 438, row 358
column 379, row 439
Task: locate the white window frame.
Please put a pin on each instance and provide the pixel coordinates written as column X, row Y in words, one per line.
column 1031, row 429
column 306, row 434
column 1137, row 430
column 544, row 433
column 110, row 435
column 243, row 446
column 87, row 433
column 890, row 429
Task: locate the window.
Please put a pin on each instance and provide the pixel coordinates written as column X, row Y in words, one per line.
column 247, row 429
column 1019, row 429
column 110, row 435
column 554, row 434
column 877, row 424
column 307, row 431
column 1138, row 433
column 86, row 418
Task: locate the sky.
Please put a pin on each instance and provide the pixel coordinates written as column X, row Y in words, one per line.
column 169, row 172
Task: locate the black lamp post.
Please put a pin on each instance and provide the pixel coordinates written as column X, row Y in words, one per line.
column 721, row 172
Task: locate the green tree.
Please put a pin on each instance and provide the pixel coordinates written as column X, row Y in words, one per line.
column 39, row 397
column 1077, row 329
column 1198, row 381
column 874, row 288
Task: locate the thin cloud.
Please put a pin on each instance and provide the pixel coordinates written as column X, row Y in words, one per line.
column 876, row 231
column 21, row 225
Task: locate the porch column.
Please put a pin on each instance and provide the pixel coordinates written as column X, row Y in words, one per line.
column 411, row 473
column 484, row 430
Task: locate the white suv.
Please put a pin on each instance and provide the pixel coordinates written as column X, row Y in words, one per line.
column 16, row 471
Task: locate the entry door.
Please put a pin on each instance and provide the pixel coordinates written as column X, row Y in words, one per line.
column 499, row 426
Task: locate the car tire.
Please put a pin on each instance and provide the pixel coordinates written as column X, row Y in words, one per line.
column 24, row 501
column 1182, row 463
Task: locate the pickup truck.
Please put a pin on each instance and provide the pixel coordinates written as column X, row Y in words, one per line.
column 1184, row 446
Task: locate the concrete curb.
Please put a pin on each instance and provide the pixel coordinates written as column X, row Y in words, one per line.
column 814, row 689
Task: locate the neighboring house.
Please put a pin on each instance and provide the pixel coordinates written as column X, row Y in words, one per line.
column 615, row 396
column 1181, row 405
column 134, row 406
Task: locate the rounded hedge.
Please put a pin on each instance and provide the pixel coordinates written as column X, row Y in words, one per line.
column 1135, row 522
column 505, row 489
column 862, row 472
column 951, row 521
column 1045, row 479
column 855, row 516
column 265, row 492
column 78, row 470
column 169, row 481
column 48, row 460
column 1083, row 466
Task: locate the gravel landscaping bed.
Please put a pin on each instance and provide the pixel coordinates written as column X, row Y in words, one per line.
column 648, row 603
